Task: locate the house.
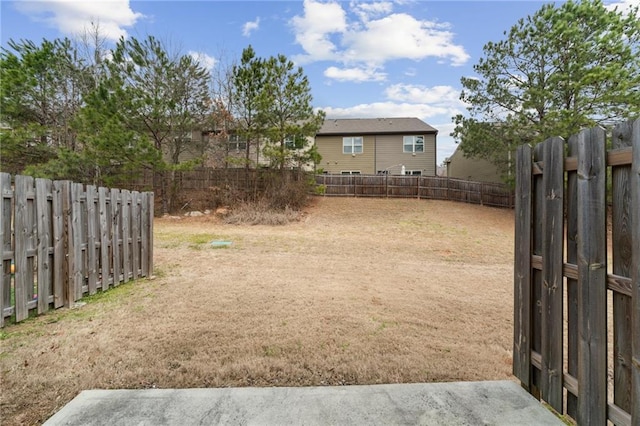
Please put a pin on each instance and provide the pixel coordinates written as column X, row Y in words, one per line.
column 475, row 169
column 377, row 146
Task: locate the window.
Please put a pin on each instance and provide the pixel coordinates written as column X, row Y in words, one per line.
column 352, row 145
column 290, row 142
column 413, row 144
column 350, row 172
column 237, row 143
column 413, row 172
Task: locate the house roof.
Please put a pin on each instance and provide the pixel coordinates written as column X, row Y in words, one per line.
column 360, row 126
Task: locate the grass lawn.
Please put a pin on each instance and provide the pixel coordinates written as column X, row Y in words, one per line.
column 359, row 291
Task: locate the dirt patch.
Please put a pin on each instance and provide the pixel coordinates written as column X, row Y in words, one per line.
column 359, row 291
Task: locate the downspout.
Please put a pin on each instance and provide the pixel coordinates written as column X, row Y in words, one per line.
column 375, row 154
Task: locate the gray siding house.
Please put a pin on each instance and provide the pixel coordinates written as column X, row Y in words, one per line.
column 376, row 146
column 476, row 169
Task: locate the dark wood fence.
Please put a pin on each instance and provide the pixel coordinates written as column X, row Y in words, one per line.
column 424, row 187
column 577, row 301
column 62, row 240
column 203, row 178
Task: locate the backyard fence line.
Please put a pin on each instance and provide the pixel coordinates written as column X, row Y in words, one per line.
column 423, row 187
column 62, row 241
column 560, row 204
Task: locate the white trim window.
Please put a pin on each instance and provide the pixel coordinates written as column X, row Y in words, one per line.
column 237, row 143
column 413, row 144
column 350, row 172
column 352, row 145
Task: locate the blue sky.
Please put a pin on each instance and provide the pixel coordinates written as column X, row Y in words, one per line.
column 368, row 59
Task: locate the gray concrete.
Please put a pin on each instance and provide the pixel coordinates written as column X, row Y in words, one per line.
column 466, row 403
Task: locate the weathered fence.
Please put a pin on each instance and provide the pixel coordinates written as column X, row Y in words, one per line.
column 424, row 187
column 577, row 301
column 207, row 177
column 61, row 241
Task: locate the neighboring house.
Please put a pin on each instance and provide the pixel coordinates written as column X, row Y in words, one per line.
column 377, row 146
column 475, row 169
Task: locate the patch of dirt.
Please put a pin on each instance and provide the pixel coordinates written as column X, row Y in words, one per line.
column 359, row 291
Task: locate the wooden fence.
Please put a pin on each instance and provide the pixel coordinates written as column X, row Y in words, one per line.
column 577, row 301
column 424, row 187
column 61, row 241
column 203, row 178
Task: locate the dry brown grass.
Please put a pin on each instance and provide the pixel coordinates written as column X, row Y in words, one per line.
column 359, row 291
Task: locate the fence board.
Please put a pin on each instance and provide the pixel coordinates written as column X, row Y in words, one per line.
column 635, row 273
column 552, row 280
column 135, row 234
column 150, row 226
column 6, row 194
column 116, row 223
column 592, row 296
column 59, row 249
column 537, row 278
column 92, row 227
column 572, row 283
column 77, row 237
column 144, row 249
column 522, row 292
column 126, row 234
column 622, row 249
column 105, row 241
column 43, row 214
column 23, row 185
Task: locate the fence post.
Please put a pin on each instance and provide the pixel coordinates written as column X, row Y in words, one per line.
column 592, row 270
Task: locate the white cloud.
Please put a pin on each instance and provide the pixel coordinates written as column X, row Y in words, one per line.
column 314, row 29
column 421, row 94
column 373, row 36
column 401, row 36
column 623, row 6
column 75, row 17
column 208, row 62
column 387, row 109
column 357, row 75
column 366, row 11
column 250, row 26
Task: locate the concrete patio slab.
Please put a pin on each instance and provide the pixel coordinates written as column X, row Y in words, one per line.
column 460, row 403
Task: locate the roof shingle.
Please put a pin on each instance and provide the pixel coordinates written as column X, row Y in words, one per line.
column 360, row 126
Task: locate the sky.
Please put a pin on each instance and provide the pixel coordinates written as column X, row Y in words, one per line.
column 363, row 59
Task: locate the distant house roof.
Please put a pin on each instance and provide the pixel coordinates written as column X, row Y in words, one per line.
column 361, row 126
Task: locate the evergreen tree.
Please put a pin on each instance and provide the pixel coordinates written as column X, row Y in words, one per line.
column 568, row 66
